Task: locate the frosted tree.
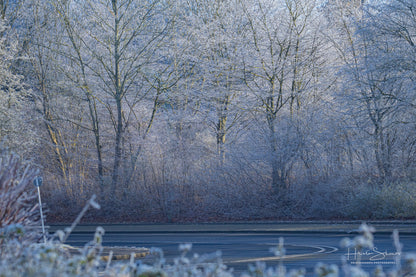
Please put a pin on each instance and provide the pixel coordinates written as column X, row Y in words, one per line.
column 282, row 55
column 369, row 91
column 218, row 35
column 111, row 47
column 392, row 26
column 10, row 10
column 15, row 130
column 56, row 116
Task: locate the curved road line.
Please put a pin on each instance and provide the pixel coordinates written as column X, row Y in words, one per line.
column 321, row 250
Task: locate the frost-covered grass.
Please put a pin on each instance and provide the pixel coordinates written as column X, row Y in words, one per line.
column 20, row 257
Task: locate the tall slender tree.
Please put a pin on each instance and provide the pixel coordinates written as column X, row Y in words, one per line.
column 217, row 33
column 110, row 46
column 279, row 69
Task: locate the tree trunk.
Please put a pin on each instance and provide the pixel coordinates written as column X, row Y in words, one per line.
column 117, row 148
column 118, row 95
column 221, row 132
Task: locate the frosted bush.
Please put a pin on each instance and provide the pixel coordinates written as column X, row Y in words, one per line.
column 391, row 201
column 17, row 194
column 363, row 241
column 324, row 270
column 409, row 267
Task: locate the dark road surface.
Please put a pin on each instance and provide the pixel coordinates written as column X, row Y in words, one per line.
column 243, row 246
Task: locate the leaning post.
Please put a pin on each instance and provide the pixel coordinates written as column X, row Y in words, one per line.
column 38, row 182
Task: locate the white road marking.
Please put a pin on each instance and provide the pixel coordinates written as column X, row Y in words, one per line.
column 320, row 250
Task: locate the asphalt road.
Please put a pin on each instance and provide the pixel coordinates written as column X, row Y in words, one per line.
column 244, row 244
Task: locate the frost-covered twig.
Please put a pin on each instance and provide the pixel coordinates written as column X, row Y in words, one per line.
column 91, row 203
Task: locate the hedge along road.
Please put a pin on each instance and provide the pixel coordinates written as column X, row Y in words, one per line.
column 242, row 244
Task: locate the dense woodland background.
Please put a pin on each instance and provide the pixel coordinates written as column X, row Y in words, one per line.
column 210, row 110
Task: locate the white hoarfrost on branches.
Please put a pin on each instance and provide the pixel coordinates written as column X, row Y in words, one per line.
column 14, row 131
column 163, row 106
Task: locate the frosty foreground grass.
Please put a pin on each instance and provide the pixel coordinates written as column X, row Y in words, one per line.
column 20, row 257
